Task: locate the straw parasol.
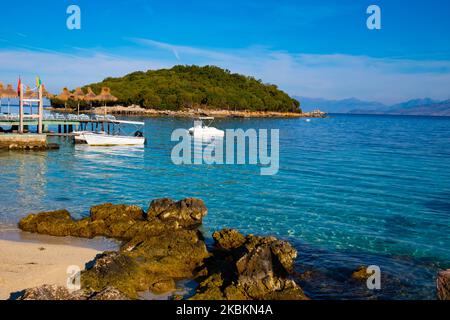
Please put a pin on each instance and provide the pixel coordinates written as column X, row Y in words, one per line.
column 29, row 94
column 105, row 96
column 90, row 95
column 9, row 93
column 45, row 93
column 64, row 96
column 78, row 95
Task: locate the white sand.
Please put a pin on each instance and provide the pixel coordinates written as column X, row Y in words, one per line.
column 26, row 264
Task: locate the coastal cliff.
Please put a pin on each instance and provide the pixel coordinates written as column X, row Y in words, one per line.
column 164, row 245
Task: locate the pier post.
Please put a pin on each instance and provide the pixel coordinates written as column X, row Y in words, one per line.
column 21, row 109
column 40, row 110
column 59, row 128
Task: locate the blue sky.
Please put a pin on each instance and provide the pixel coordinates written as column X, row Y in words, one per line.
column 308, row 48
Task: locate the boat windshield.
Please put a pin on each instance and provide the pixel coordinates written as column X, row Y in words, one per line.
column 204, row 122
column 130, row 128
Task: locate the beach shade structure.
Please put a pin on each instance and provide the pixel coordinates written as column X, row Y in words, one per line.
column 78, row 96
column 90, row 96
column 106, row 96
column 45, row 93
column 64, row 96
column 9, row 93
column 30, row 94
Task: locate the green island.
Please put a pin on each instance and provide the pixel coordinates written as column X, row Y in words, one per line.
column 186, row 87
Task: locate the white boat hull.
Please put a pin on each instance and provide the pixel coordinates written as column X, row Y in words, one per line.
column 206, row 132
column 98, row 139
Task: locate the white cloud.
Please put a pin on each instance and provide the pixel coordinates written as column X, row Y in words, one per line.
column 58, row 69
column 333, row 76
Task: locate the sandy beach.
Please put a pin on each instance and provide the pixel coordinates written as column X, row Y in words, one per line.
column 29, row 264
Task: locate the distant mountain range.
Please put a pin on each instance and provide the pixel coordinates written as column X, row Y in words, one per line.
column 426, row 106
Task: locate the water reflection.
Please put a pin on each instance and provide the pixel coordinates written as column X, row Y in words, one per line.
column 25, row 173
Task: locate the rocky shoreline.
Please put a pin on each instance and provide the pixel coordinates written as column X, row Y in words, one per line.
column 164, row 245
column 192, row 113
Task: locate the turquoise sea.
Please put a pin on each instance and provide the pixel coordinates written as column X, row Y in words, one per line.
column 351, row 190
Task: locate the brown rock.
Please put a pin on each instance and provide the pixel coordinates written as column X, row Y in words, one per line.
column 228, row 239
column 259, row 268
column 187, row 212
column 55, row 292
column 46, row 292
column 109, row 293
column 360, row 274
column 443, row 285
column 54, row 223
column 110, row 213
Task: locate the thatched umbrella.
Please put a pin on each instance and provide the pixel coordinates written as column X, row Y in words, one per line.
column 9, row 93
column 45, row 93
column 29, row 94
column 78, row 96
column 105, row 96
column 90, row 96
column 64, row 96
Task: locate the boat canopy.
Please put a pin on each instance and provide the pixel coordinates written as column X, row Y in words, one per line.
column 138, row 123
column 206, row 118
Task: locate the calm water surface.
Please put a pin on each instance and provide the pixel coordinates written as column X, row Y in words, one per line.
column 351, row 190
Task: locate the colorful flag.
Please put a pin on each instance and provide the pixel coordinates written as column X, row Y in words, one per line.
column 19, row 86
column 38, row 82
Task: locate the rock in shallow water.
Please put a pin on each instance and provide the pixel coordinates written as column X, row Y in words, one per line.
column 250, row 268
column 443, row 285
column 164, row 246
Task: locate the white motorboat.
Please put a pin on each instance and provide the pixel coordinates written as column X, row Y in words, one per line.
column 117, row 139
column 201, row 130
column 104, row 139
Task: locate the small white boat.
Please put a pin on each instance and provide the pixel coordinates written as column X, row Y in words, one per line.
column 201, row 130
column 104, row 139
column 118, row 139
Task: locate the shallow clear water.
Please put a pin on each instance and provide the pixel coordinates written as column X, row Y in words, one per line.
column 351, row 190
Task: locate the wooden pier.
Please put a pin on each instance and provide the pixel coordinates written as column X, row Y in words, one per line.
column 64, row 127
